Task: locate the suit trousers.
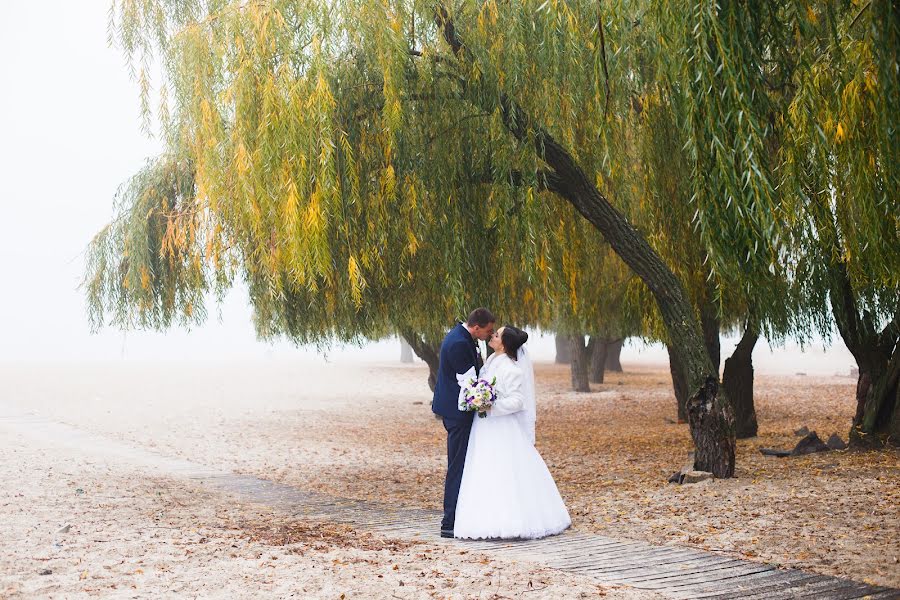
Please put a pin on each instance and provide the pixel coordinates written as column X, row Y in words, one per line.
column 457, row 443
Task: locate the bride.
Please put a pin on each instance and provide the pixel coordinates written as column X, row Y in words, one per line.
column 506, row 490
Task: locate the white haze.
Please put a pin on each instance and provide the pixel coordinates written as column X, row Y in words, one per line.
column 70, row 135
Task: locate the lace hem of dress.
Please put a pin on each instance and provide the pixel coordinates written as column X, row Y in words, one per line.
column 516, row 535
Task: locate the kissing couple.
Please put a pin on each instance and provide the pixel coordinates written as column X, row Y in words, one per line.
column 497, row 485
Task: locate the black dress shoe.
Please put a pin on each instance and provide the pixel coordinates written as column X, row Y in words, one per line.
column 446, row 533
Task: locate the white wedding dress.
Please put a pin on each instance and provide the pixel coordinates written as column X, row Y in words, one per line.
column 507, row 490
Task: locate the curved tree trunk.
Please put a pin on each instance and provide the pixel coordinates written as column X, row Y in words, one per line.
column 711, row 420
column 563, row 349
column 679, row 385
column 581, row 362
column 428, row 352
column 599, row 359
column 877, row 354
column 737, row 379
column 613, row 355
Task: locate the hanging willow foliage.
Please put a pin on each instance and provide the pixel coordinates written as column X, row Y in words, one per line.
column 371, row 163
column 789, row 111
column 333, row 147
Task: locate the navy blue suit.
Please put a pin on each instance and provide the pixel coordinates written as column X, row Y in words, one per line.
column 459, row 353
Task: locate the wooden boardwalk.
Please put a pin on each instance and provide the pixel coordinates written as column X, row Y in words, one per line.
column 673, row 571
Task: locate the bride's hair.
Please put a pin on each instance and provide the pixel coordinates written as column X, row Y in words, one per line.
column 512, row 339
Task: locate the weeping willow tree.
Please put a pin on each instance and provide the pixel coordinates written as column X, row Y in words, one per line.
column 322, row 136
column 842, row 151
column 689, row 151
column 156, row 263
column 770, row 93
column 341, row 227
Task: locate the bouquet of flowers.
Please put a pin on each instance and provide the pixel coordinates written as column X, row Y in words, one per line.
column 476, row 394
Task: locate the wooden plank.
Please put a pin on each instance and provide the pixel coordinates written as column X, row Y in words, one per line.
column 581, row 545
column 675, row 559
column 665, row 575
column 596, row 555
column 667, row 582
column 765, row 581
column 657, row 558
column 556, row 542
column 623, row 549
column 389, row 521
column 684, row 566
column 648, row 559
column 820, row 589
column 559, row 551
column 845, row 590
column 789, row 589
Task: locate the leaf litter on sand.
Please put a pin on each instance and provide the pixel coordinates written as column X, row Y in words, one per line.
column 611, row 451
column 144, row 535
column 353, row 431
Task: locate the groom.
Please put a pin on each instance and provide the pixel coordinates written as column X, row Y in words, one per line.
column 459, row 353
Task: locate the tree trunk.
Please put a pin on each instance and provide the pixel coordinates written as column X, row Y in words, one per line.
column 679, row 385
column 428, row 352
column 877, row 354
column 709, row 323
column 711, row 426
column 712, row 423
column 599, row 359
column 877, row 419
column 737, row 380
column 563, row 350
column 613, row 355
column 406, row 353
column 581, row 361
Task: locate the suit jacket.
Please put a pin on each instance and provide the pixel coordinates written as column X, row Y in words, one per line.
column 458, row 354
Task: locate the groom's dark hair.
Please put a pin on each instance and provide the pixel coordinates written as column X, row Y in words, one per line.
column 481, row 317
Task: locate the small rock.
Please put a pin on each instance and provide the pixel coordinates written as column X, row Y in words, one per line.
column 801, row 374
column 836, row 443
column 802, row 432
column 678, row 476
column 809, row 444
column 64, row 529
column 418, row 402
column 696, row 476
column 775, row 452
column 46, row 572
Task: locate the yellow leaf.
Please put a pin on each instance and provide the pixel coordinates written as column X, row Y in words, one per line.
column 811, row 15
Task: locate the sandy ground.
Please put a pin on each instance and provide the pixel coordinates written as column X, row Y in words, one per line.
column 365, row 431
column 76, row 526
